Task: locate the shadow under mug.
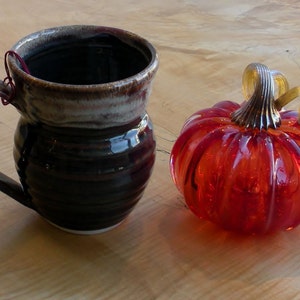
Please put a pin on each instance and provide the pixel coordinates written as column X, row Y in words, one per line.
column 84, row 146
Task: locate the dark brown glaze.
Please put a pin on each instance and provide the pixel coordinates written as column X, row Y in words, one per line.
column 84, row 179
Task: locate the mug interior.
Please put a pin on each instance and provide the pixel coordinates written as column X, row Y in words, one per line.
column 98, row 59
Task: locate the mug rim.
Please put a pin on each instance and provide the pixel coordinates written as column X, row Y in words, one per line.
column 73, row 31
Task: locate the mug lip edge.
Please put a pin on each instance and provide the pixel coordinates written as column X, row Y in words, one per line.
column 146, row 73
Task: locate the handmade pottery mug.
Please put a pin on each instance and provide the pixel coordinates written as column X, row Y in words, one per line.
column 84, row 146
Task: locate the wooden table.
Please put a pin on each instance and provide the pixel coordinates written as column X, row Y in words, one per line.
column 161, row 251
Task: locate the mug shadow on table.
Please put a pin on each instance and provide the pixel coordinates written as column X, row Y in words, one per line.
column 43, row 260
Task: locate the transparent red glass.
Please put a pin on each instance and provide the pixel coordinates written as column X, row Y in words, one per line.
column 243, row 179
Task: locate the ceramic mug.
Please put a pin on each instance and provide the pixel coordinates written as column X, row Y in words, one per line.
column 84, row 146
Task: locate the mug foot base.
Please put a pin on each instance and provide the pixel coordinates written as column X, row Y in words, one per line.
column 84, row 232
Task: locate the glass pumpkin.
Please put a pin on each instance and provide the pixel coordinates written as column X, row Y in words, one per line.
column 238, row 166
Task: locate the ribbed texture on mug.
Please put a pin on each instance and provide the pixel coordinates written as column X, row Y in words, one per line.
column 84, row 179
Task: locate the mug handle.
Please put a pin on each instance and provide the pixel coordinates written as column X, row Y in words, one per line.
column 6, row 91
column 14, row 190
column 7, row 185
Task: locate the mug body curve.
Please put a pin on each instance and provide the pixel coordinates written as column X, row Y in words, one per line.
column 84, row 180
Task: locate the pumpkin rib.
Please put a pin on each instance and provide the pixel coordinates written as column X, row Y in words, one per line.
column 233, row 157
column 222, row 109
column 202, row 119
column 289, row 146
column 190, row 187
column 185, row 144
column 271, row 198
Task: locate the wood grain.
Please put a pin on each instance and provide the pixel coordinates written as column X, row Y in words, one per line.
column 161, row 251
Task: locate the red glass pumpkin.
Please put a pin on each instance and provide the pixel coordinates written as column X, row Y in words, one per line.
column 239, row 165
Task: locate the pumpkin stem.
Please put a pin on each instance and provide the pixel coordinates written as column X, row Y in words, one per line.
column 260, row 111
column 287, row 97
